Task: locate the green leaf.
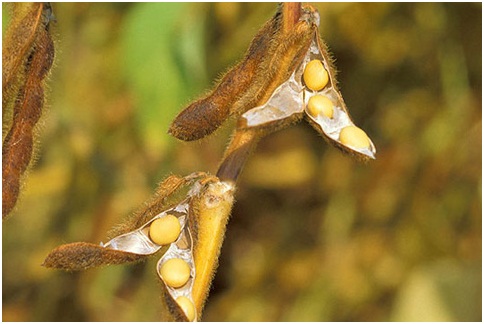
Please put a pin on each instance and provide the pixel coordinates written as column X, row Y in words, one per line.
column 148, row 42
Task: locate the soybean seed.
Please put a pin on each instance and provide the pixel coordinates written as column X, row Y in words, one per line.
column 354, row 137
column 315, row 75
column 175, row 272
column 187, row 307
column 320, row 105
column 165, row 230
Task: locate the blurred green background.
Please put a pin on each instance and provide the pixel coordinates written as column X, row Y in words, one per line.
column 314, row 236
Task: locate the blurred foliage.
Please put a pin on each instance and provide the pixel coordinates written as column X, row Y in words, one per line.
column 314, row 236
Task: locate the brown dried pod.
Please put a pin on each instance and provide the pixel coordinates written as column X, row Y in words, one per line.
column 132, row 242
column 311, row 75
column 205, row 115
column 199, row 247
column 28, row 54
column 188, row 264
column 332, row 128
column 273, row 79
column 314, row 78
column 27, row 19
column 82, row 256
column 169, row 193
column 272, row 56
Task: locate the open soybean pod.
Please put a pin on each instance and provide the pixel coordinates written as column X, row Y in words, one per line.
column 285, row 105
column 273, row 54
column 188, row 266
column 212, row 210
column 134, row 240
column 312, row 91
column 190, row 234
column 336, row 126
column 176, row 269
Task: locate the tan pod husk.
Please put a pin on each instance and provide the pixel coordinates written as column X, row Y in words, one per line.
column 212, row 211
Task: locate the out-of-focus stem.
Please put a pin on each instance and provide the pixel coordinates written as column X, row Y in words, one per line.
column 239, row 149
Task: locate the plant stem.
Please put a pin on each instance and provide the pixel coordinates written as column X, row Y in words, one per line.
column 242, row 144
column 245, row 140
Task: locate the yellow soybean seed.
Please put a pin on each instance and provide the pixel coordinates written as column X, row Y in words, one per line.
column 355, row 137
column 315, row 75
column 175, row 272
column 320, row 105
column 187, row 307
column 165, row 230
